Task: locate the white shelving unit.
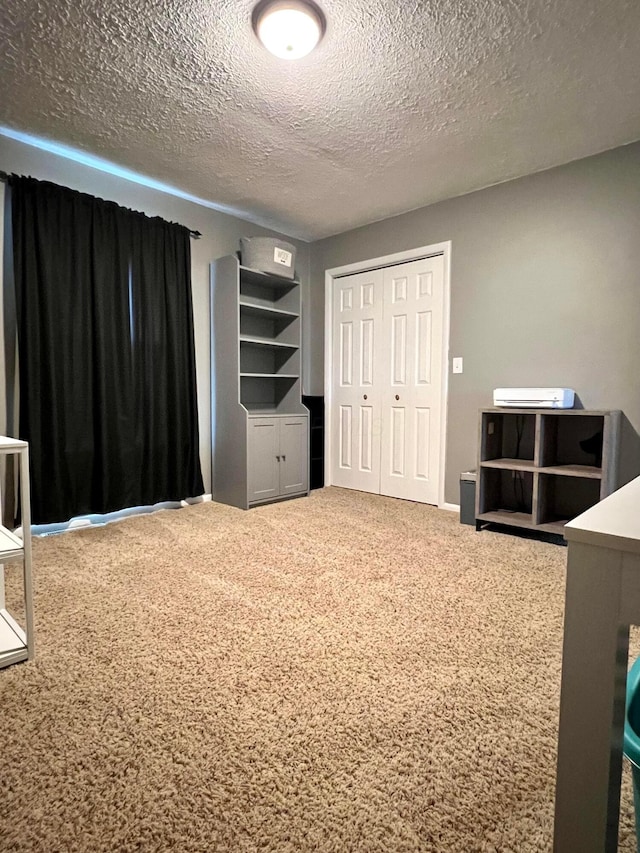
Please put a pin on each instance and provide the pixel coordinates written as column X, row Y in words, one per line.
column 16, row 641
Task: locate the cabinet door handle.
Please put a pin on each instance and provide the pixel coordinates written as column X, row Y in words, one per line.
column 284, row 458
column 278, row 458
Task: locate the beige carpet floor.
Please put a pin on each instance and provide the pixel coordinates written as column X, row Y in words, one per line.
column 339, row 673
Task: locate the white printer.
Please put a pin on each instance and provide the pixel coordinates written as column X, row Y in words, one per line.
column 534, row 398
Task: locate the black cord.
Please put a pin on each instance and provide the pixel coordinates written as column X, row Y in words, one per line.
column 519, row 488
column 519, row 431
column 519, row 485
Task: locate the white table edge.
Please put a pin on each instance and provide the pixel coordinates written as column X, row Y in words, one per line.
column 612, row 523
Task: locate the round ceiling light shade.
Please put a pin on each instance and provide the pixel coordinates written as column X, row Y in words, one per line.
column 289, row 29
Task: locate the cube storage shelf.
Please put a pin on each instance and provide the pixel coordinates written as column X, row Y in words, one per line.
column 260, row 427
column 539, row 468
column 17, row 641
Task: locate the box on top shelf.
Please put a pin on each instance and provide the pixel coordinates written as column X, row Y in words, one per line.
column 269, row 255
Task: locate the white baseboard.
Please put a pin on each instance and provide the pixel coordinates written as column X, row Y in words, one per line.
column 450, row 507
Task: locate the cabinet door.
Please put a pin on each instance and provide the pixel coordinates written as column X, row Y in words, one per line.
column 263, row 440
column 294, row 455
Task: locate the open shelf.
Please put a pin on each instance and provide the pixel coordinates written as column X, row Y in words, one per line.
column 587, row 471
column 10, row 546
column 504, row 516
column 280, row 328
column 540, row 469
column 17, row 640
column 13, row 640
column 560, row 499
column 261, row 290
column 265, row 342
column 510, row 464
column 270, row 375
column 265, row 312
column 266, row 279
column 508, row 436
column 576, row 440
column 507, row 492
column 268, row 409
column 264, row 394
column 269, row 359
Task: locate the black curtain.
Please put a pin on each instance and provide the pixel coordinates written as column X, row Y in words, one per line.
column 106, row 353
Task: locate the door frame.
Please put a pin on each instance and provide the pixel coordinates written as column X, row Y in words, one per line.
column 417, row 254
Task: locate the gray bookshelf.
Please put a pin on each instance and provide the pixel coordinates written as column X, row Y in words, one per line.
column 260, row 428
column 539, row 468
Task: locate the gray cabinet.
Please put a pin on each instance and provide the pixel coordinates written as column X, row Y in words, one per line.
column 260, row 427
column 278, row 457
column 540, row 468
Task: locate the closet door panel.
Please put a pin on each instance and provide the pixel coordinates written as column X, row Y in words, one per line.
column 357, row 316
column 411, row 383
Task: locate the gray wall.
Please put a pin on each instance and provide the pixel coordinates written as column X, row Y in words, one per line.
column 545, row 291
column 545, row 283
column 220, row 236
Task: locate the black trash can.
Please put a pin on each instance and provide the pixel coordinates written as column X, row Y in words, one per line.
column 468, row 497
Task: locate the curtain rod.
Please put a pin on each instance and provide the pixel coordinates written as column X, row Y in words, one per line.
column 195, row 234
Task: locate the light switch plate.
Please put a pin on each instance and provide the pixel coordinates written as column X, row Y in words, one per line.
column 457, row 365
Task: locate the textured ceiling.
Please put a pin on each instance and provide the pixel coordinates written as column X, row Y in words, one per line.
column 404, row 103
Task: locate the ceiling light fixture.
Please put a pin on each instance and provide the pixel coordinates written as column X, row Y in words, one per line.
column 290, row 29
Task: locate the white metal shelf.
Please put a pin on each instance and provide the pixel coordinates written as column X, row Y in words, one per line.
column 16, row 641
column 10, row 546
column 13, row 640
column 11, row 445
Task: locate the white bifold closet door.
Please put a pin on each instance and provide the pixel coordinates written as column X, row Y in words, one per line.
column 387, row 380
column 357, row 323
